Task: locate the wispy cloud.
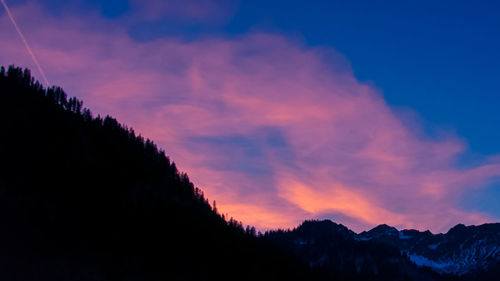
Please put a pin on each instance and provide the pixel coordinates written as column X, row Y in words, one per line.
column 271, row 129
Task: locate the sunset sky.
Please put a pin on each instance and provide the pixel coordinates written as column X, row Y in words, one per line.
column 361, row 112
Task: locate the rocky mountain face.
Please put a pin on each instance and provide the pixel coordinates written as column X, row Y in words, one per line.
column 462, row 251
column 333, row 247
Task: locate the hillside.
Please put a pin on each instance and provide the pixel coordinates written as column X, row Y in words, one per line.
column 86, row 198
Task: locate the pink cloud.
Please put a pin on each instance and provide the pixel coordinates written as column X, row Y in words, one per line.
column 199, row 10
column 267, row 127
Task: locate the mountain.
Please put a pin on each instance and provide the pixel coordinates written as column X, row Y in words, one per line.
column 342, row 253
column 86, row 198
column 462, row 250
column 384, row 253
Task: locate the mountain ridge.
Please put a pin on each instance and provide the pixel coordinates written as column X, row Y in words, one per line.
column 461, row 250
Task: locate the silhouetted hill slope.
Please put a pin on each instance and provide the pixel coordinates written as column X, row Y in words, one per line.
column 85, row 198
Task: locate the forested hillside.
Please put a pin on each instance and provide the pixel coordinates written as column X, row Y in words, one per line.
column 83, row 197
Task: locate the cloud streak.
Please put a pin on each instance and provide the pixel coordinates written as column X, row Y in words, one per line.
column 276, row 132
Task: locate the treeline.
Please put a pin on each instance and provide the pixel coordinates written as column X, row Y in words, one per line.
column 86, row 198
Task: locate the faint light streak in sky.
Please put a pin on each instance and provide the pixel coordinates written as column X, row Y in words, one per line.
column 25, row 42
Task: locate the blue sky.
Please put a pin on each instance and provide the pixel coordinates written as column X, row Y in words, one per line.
column 435, row 64
column 438, row 58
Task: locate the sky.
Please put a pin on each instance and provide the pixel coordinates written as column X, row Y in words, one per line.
column 362, row 112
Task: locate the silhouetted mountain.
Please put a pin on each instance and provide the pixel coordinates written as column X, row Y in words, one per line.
column 346, row 255
column 85, row 198
column 462, row 250
column 384, row 253
column 381, row 231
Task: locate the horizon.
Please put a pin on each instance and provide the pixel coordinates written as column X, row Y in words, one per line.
column 280, row 121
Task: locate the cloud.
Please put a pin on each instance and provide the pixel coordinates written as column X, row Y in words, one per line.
column 276, row 132
column 197, row 10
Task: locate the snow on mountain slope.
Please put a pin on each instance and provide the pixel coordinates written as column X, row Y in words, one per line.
column 461, row 250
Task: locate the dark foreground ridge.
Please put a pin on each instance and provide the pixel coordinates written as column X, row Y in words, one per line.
column 86, row 198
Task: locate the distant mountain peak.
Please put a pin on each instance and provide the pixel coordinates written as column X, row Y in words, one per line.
column 325, row 227
column 463, row 249
column 383, row 228
column 459, row 228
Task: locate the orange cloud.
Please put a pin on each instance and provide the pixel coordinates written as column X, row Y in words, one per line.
column 338, row 198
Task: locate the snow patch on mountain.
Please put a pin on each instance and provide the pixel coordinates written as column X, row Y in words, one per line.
column 433, row 246
column 438, row 266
